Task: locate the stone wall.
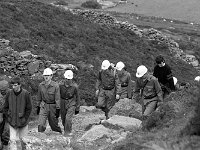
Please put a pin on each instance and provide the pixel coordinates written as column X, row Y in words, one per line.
column 150, row 34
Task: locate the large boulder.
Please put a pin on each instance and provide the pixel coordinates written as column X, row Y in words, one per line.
column 126, row 123
column 126, row 107
column 95, row 133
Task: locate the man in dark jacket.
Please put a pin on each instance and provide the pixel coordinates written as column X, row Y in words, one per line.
column 125, row 81
column 70, row 101
column 164, row 74
column 107, row 87
column 148, row 89
column 4, row 129
column 17, row 109
column 48, row 102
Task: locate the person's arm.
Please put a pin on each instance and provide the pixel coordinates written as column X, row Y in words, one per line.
column 77, row 98
column 57, row 96
column 170, row 78
column 129, row 88
column 6, row 105
column 158, row 90
column 155, row 72
column 117, row 84
column 136, row 92
column 39, row 96
column 28, row 107
column 98, row 84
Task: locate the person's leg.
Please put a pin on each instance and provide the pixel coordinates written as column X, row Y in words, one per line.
column 23, row 132
column 53, row 121
column 101, row 99
column 42, row 119
column 6, row 134
column 2, row 124
column 124, row 93
column 102, row 102
column 110, row 101
column 68, row 120
column 14, row 137
column 63, row 111
column 149, row 108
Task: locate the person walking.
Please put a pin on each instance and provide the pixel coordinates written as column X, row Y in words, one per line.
column 125, row 81
column 48, row 102
column 163, row 72
column 70, row 101
column 107, row 87
column 17, row 109
column 4, row 129
column 148, row 89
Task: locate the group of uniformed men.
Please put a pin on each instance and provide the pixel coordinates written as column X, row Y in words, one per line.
column 53, row 99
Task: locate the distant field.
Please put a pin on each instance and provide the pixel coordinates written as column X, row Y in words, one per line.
column 185, row 10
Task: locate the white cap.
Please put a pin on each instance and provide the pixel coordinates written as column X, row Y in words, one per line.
column 141, row 70
column 175, row 80
column 197, row 78
column 47, row 72
column 105, row 65
column 68, row 74
column 120, row 65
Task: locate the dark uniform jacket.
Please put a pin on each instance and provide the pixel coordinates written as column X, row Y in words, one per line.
column 17, row 108
column 70, row 95
column 151, row 91
column 108, row 80
column 125, row 81
column 49, row 95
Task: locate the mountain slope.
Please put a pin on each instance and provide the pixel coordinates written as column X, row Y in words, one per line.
column 67, row 38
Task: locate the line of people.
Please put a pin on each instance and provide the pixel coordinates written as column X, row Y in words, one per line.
column 54, row 99
column 114, row 83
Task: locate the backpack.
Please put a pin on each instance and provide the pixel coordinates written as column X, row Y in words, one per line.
column 107, row 78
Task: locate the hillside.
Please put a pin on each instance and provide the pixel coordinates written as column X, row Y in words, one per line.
column 67, row 38
column 63, row 37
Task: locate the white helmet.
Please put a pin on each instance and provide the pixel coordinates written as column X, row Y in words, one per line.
column 120, row 65
column 197, row 78
column 175, row 80
column 105, row 65
column 47, row 72
column 68, row 74
column 141, row 70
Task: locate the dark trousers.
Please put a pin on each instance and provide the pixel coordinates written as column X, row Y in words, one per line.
column 66, row 116
column 4, row 132
column 106, row 100
column 48, row 111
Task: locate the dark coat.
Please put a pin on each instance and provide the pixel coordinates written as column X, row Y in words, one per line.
column 17, row 108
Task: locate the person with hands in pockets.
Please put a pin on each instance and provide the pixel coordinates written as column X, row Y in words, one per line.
column 70, row 101
column 17, row 109
column 48, row 102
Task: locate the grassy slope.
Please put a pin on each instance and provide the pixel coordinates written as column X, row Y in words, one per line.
column 65, row 38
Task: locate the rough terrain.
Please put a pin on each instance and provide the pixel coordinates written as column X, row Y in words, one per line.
column 84, row 39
